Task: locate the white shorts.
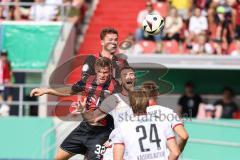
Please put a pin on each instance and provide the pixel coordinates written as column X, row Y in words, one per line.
column 108, row 155
column 4, row 110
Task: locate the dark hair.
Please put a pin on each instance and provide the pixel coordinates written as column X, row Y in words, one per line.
column 237, row 38
column 4, row 53
column 139, row 101
column 126, row 67
column 149, row 3
column 229, row 89
column 150, row 88
column 189, row 84
column 103, row 62
column 106, row 31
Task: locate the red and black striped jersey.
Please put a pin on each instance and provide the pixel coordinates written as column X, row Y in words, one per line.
column 89, row 66
column 95, row 93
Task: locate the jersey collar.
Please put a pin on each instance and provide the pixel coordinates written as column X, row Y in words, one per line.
column 113, row 58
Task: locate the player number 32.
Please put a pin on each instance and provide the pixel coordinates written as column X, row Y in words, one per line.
column 100, row 149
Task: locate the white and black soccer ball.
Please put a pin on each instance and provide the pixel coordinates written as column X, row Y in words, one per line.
column 153, row 24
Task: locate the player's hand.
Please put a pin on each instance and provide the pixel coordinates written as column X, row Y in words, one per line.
column 76, row 108
column 82, row 103
column 38, row 92
column 108, row 144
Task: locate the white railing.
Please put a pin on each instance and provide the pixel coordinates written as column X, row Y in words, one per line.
column 221, row 62
column 61, row 7
column 24, row 104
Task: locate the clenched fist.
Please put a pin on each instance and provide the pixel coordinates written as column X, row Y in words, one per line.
column 38, row 92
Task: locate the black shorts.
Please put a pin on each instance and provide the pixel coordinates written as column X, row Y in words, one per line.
column 7, row 91
column 87, row 140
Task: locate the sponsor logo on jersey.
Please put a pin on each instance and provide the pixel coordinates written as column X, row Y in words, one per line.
column 85, row 67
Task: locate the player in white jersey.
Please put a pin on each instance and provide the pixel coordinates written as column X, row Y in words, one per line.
column 165, row 113
column 118, row 106
column 120, row 113
column 144, row 136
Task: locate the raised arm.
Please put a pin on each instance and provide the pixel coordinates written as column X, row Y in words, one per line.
column 88, row 68
column 61, row 91
column 64, row 91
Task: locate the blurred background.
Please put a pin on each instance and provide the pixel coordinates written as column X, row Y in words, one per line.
column 200, row 46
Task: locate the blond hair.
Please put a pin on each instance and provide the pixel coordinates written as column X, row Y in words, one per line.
column 139, row 101
column 150, row 88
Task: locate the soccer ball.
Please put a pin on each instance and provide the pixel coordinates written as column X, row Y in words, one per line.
column 153, row 24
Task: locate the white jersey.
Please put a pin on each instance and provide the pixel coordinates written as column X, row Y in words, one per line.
column 165, row 114
column 121, row 112
column 144, row 137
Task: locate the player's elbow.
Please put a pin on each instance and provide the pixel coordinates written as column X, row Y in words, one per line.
column 91, row 119
column 95, row 120
column 182, row 133
column 184, row 136
column 176, row 154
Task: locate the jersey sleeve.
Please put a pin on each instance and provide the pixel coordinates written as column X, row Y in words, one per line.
column 126, row 64
column 88, row 67
column 113, row 134
column 176, row 120
column 78, row 87
column 118, row 137
column 108, row 104
column 117, row 87
column 169, row 133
